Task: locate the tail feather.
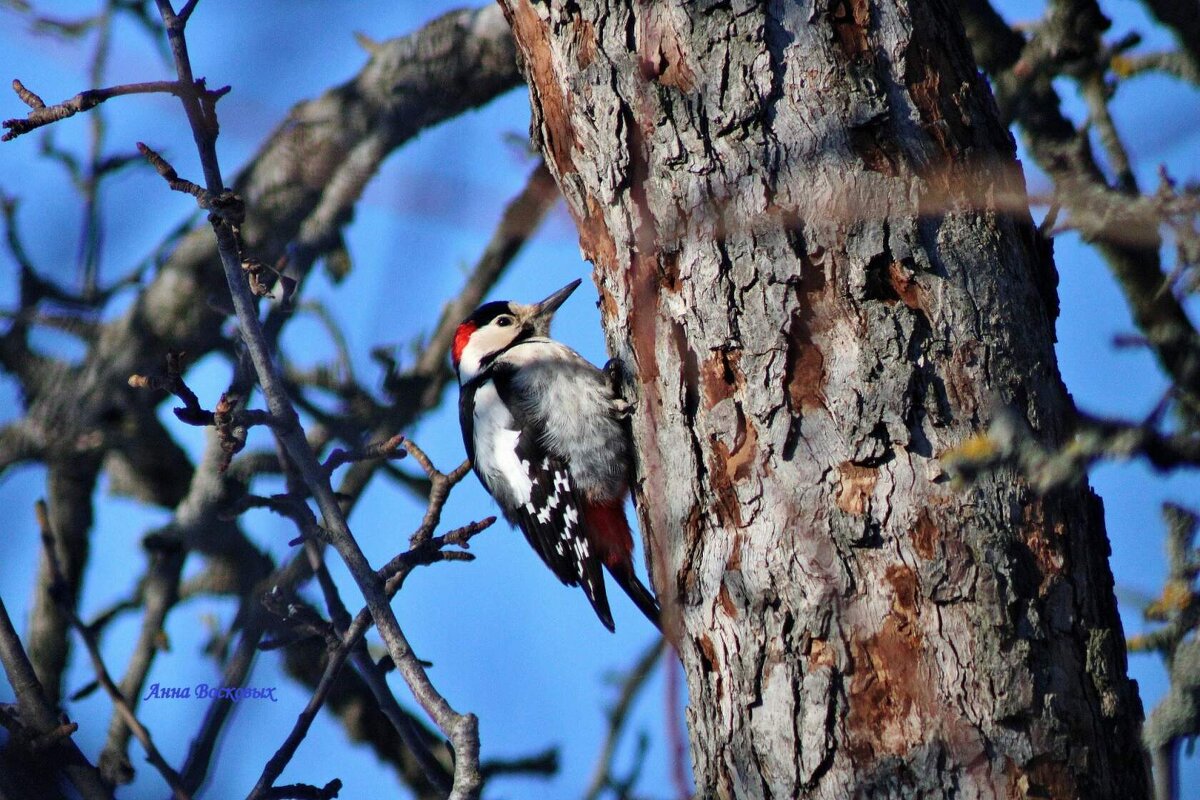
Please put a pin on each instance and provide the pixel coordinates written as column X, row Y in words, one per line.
column 598, row 597
column 641, row 596
column 609, row 531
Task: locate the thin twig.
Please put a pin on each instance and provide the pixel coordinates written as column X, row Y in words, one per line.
column 304, row 791
column 186, row 11
column 390, row 448
column 43, row 114
column 1173, row 63
column 440, row 485
column 1098, row 94
column 172, row 381
column 37, row 713
column 172, row 178
column 376, row 679
column 1176, row 718
column 631, row 685
column 120, row 704
column 676, row 736
column 231, row 420
column 373, row 676
column 204, row 744
column 396, row 571
column 1125, row 235
column 1008, row 440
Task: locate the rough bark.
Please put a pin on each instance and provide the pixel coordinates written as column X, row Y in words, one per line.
column 814, row 256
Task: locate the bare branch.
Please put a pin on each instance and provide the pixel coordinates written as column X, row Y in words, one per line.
column 440, row 485
column 1183, row 21
column 1176, row 64
column 461, row 729
column 84, row 101
column 1176, row 717
column 185, row 12
column 276, row 764
column 1098, row 93
column 391, row 448
column 120, row 704
column 302, row 791
column 172, row 178
column 429, row 550
column 454, row 63
column 396, row 570
column 172, row 381
column 17, row 444
column 375, row 677
column 479, row 61
column 231, row 420
column 1103, row 216
column 38, row 715
column 1008, row 440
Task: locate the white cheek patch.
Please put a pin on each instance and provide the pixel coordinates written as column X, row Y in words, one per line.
column 469, row 361
column 486, row 341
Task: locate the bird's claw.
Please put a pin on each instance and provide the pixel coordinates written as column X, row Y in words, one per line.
column 614, row 370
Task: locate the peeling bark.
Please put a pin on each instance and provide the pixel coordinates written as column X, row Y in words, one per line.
column 813, row 251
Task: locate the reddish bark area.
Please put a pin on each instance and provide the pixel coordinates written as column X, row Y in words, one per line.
column 812, row 248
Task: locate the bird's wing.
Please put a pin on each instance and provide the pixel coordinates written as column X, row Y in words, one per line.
column 466, row 401
column 552, row 518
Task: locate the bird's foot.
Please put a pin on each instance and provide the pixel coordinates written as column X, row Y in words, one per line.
column 614, row 370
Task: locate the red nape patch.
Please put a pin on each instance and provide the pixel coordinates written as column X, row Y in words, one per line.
column 609, row 532
column 461, row 337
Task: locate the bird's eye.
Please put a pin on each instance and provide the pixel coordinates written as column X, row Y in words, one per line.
column 504, row 322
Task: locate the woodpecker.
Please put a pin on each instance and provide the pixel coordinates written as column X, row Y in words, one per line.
column 543, row 430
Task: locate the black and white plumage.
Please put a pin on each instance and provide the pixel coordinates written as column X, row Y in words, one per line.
column 543, row 430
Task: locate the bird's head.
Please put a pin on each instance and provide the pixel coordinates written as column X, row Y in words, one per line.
column 496, row 326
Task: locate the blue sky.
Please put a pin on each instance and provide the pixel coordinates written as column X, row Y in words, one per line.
column 508, row 642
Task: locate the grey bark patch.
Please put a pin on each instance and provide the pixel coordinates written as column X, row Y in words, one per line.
column 825, row 305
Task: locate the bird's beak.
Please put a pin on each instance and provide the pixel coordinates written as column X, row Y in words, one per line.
column 543, row 312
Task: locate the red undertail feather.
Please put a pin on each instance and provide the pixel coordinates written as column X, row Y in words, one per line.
column 608, row 531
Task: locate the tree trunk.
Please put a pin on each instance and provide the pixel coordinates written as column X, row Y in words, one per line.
column 815, row 256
